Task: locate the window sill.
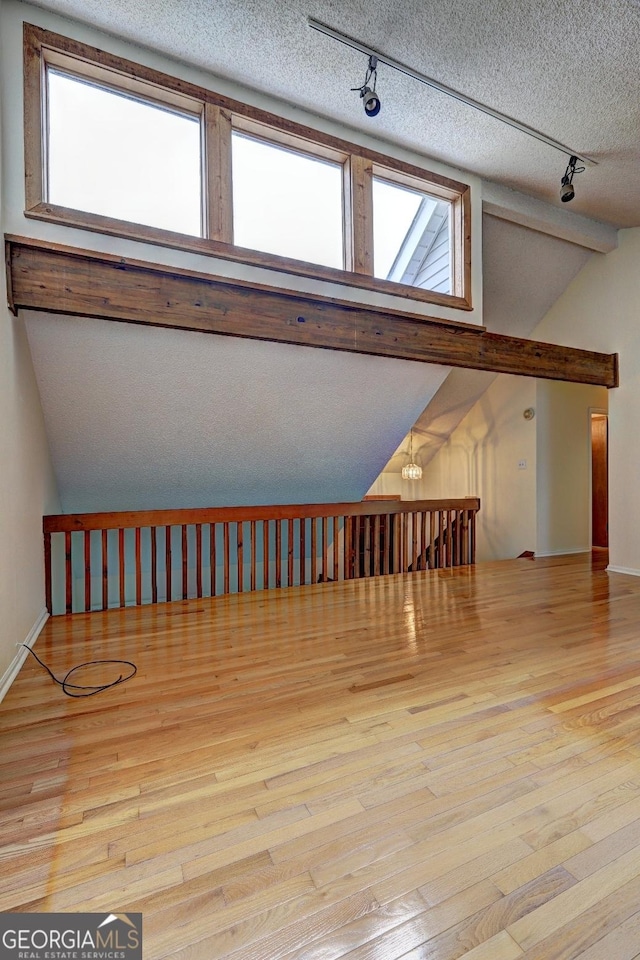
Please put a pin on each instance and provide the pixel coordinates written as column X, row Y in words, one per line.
column 216, row 248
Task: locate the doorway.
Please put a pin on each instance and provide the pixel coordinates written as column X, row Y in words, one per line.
column 599, row 480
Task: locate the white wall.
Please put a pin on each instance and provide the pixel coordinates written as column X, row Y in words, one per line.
column 600, row 310
column 563, row 430
column 27, row 488
column 545, row 507
column 481, row 458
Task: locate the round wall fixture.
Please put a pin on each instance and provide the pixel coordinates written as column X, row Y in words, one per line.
column 529, row 413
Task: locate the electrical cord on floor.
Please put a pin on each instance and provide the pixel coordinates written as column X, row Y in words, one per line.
column 90, row 690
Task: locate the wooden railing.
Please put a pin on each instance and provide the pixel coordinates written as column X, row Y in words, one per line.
column 95, row 561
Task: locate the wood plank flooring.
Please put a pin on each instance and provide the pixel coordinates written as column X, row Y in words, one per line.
column 425, row 767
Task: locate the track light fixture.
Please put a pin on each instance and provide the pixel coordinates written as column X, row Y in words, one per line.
column 368, row 95
column 376, row 56
column 567, row 190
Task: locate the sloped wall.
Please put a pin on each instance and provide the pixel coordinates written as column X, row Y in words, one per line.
column 147, row 418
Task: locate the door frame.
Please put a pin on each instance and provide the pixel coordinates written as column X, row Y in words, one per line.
column 600, row 411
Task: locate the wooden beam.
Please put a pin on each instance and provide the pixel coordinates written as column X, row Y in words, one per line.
column 56, row 279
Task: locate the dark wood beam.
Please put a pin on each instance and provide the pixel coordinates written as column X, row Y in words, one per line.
column 57, row 279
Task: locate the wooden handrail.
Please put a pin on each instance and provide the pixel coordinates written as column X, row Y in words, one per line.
column 62, row 522
column 94, row 561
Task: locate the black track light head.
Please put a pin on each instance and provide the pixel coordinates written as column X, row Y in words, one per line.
column 370, row 99
column 567, row 189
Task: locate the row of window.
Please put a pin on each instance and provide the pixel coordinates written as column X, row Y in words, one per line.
column 112, row 151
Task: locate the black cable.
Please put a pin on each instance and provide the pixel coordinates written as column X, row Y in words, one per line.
column 67, row 687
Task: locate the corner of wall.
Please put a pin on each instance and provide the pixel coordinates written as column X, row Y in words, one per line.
column 27, row 482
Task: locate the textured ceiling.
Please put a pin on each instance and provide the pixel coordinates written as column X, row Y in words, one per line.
column 515, row 300
column 141, row 418
column 567, row 69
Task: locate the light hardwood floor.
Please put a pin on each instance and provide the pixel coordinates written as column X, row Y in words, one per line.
column 425, row 767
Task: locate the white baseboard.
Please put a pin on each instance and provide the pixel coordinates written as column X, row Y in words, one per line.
column 630, row 570
column 15, row 666
column 564, row 553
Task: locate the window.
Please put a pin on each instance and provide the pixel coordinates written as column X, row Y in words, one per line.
column 116, row 155
column 118, row 148
column 411, row 241
column 287, row 203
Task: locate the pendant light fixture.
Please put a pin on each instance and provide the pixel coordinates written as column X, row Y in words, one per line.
column 411, row 470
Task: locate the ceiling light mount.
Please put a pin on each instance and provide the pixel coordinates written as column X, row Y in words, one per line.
column 381, row 57
column 567, row 190
column 368, row 95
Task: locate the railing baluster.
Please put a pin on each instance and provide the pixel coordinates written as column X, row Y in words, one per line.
column 290, row 551
column 432, row 539
column 386, row 523
column 154, row 565
column 472, row 535
column 253, row 555
column 377, row 546
column 367, row 546
column 302, row 577
column 68, row 574
column 405, row 542
column 138, row 568
column 168, row 564
column 87, row 570
column 185, row 563
column 324, row 553
column 121, row 565
column 278, row 553
column 226, row 548
column 452, row 538
column 465, row 536
column 240, row 556
column 314, row 549
column 198, row 559
column 212, row 558
column 266, row 526
column 347, row 548
column 336, row 557
column 105, row 570
column 354, row 524
column 394, row 541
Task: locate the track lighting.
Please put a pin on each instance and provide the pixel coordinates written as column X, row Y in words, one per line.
column 372, row 101
column 368, row 95
column 567, row 190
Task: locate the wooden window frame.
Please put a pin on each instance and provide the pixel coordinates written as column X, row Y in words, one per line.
column 220, row 115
